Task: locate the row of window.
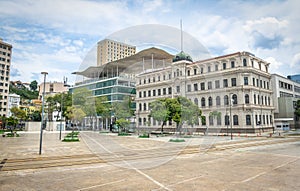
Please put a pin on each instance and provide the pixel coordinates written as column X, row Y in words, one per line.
column 259, row 120
column 4, row 47
column 4, row 53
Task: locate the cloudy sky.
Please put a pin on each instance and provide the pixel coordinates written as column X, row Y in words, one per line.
column 55, row 35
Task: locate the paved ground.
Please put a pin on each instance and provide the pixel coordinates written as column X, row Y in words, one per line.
column 108, row 162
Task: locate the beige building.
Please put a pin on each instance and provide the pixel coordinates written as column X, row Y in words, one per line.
column 237, row 85
column 110, row 50
column 5, row 61
column 52, row 88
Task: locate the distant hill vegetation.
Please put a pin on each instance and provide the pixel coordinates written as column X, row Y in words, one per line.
column 23, row 92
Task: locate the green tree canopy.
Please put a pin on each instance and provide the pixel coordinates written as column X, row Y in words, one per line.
column 33, row 85
column 18, row 113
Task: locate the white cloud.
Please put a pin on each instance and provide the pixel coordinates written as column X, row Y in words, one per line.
column 296, row 60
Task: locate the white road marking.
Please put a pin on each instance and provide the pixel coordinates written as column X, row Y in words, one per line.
column 137, row 170
column 100, row 185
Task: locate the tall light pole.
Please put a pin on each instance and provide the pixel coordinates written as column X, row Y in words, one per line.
column 61, row 117
column 230, row 115
column 42, row 124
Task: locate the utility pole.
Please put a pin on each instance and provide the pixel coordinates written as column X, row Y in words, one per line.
column 43, row 107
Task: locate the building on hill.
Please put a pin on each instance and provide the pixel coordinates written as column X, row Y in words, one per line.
column 13, row 101
column 52, row 88
column 5, row 61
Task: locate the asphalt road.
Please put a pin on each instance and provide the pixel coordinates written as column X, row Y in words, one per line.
column 105, row 162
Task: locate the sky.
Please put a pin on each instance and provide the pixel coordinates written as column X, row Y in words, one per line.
column 56, row 35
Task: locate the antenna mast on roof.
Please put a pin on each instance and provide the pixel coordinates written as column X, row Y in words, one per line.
column 181, row 43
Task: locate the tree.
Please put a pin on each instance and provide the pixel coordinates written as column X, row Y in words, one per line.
column 35, row 116
column 297, row 108
column 33, row 85
column 159, row 112
column 123, row 123
column 123, row 110
column 11, row 123
column 18, row 113
column 75, row 114
column 178, row 109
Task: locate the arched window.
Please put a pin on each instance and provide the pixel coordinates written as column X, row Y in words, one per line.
column 244, row 62
column 218, row 100
column 248, row 119
column 145, row 106
column 210, row 101
column 235, row 120
column 196, row 101
column 258, row 100
column 211, row 120
column 254, row 99
column 140, row 106
column 226, row 100
column 219, row 120
column 188, row 72
column 203, row 102
column 234, row 99
column 226, row 119
column 246, row 99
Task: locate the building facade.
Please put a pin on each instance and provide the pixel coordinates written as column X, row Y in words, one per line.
column 110, row 50
column 286, row 93
column 236, row 85
column 295, row 78
column 5, row 62
column 13, row 101
column 52, row 88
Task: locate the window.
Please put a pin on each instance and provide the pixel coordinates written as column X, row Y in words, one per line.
column 217, row 84
column 195, row 71
column 209, row 85
column 164, row 91
column 245, row 81
column 269, row 101
column 203, row 121
column 226, row 102
column 202, row 86
column 258, row 100
column 188, row 73
column 189, row 88
column 154, row 92
column 140, row 94
column 178, row 89
column 224, row 66
column 144, row 93
column 266, row 100
column 246, row 99
column 233, row 81
column 158, row 78
column 170, row 90
column 210, row 101
column 201, row 70
column 211, row 120
column 267, row 85
column 159, row 92
column 226, row 120
column 149, row 93
column 196, row 101
column 262, row 100
column 244, row 62
column 225, row 83
column 254, row 98
column 234, row 99
column 232, row 64
column 145, row 106
column 252, row 63
column 208, row 69
column 264, row 84
column 235, row 120
column 153, row 79
column 253, row 81
column 140, row 106
column 195, row 87
column 203, row 102
column 248, row 120
column 216, row 67
column 218, row 101
column 177, row 72
column 219, row 120
column 261, row 83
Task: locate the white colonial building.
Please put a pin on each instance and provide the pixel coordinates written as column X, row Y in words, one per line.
column 238, row 86
column 13, row 101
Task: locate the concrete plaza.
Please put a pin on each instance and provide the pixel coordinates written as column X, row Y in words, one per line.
column 108, row 162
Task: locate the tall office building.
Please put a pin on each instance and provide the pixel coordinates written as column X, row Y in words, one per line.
column 5, row 60
column 110, row 50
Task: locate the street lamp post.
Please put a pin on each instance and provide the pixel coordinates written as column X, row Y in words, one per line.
column 42, row 124
column 61, row 107
column 230, row 116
